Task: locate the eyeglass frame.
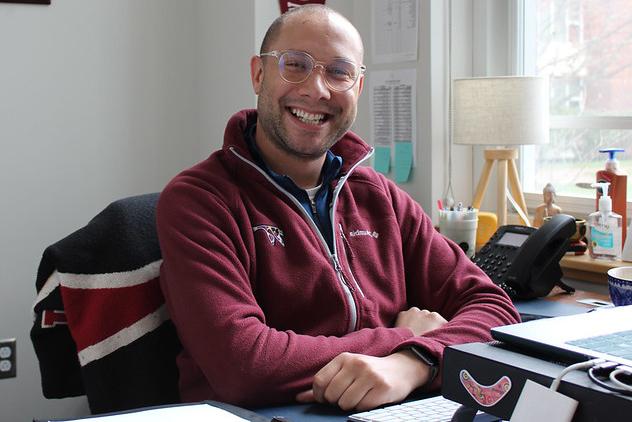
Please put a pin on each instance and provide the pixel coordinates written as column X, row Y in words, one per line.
column 278, row 53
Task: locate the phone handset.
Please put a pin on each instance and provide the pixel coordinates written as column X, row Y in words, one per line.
column 536, row 269
column 524, row 261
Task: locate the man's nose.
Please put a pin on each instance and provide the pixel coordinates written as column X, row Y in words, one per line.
column 315, row 84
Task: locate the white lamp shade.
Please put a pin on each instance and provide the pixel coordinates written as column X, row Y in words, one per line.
column 511, row 110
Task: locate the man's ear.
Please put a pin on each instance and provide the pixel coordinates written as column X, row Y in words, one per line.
column 256, row 73
column 360, row 84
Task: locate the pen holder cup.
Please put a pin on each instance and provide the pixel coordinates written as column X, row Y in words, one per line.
column 460, row 227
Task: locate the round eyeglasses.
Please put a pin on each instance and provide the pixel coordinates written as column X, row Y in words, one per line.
column 296, row 66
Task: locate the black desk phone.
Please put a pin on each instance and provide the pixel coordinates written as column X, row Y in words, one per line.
column 524, row 261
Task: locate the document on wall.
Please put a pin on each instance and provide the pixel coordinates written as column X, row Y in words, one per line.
column 393, row 95
column 395, row 30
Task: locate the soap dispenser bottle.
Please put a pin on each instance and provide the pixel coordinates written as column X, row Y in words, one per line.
column 604, row 228
column 618, row 186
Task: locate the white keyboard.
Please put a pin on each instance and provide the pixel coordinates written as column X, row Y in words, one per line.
column 433, row 409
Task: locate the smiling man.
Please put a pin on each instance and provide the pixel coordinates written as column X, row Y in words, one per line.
column 293, row 273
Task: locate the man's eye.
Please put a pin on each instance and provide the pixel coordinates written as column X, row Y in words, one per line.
column 340, row 72
column 295, row 65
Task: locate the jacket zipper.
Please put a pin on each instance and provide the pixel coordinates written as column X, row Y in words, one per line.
column 312, row 203
column 349, row 252
column 341, row 274
column 347, row 288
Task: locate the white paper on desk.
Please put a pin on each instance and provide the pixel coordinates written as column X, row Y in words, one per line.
column 192, row 413
column 395, row 28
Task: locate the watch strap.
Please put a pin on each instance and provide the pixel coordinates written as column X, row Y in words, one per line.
column 429, row 360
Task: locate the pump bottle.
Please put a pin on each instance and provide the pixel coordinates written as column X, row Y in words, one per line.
column 618, row 186
column 604, row 228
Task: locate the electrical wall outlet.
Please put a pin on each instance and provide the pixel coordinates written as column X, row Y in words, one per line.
column 7, row 358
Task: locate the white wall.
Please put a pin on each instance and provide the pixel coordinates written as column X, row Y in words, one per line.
column 98, row 100
column 101, row 99
column 227, row 40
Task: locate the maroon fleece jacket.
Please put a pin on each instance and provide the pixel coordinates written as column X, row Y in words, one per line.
column 259, row 302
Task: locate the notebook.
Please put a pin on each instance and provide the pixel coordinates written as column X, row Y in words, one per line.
column 575, row 337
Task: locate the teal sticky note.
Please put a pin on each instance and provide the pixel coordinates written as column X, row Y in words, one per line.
column 403, row 161
column 382, row 159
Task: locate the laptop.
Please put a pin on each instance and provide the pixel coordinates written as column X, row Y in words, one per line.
column 604, row 333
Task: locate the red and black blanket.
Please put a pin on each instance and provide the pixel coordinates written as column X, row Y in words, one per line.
column 100, row 325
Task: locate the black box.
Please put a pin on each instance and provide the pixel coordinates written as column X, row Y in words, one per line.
column 487, row 363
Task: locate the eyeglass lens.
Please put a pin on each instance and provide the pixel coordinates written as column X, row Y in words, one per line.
column 296, row 66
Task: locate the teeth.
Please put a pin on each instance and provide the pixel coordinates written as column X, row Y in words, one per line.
column 308, row 117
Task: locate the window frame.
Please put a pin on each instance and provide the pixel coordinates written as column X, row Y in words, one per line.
column 521, row 27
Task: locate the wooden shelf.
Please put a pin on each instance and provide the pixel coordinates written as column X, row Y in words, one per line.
column 583, row 267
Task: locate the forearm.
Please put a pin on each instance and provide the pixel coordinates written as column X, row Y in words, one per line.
column 228, row 336
column 246, row 362
column 441, row 278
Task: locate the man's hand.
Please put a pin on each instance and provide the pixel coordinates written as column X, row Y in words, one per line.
column 419, row 321
column 361, row 382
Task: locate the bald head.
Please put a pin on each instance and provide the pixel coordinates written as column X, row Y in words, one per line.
column 304, row 15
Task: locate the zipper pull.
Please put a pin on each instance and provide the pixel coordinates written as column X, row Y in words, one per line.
column 312, row 202
column 346, row 242
column 338, row 269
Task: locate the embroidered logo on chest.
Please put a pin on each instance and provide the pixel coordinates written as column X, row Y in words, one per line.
column 274, row 233
column 369, row 233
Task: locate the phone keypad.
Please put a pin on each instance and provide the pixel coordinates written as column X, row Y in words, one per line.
column 496, row 261
column 494, row 265
column 496, row 257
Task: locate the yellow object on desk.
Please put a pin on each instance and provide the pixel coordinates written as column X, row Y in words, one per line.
column 487, row 225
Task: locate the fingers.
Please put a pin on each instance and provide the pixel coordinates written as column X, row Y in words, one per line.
column 354, row 396
column 343, row 381
column 419, row 321
column 354, row 381
column 358, row 376
column 306, row 396
column 421, row 312
column 325, row 375
column 361, row 382
column 371, row 400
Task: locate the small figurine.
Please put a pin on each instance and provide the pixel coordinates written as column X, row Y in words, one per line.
column 548, row 208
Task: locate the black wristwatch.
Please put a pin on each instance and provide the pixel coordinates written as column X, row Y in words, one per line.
column 429, row 360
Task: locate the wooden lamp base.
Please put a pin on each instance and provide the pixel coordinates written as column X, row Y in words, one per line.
column 504, row 158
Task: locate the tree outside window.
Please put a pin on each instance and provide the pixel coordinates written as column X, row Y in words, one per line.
column 585, row 48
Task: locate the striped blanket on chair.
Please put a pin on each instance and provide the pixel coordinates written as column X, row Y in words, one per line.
column 100, row 325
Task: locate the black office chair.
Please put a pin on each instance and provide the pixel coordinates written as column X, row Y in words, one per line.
column 101, row 327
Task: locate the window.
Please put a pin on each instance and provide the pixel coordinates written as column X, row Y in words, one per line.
column 584, row 47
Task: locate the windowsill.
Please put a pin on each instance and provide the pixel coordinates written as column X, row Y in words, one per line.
column 585, row 268
column 575, row 206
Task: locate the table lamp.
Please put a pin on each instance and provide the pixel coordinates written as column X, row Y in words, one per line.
column 501, row 111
